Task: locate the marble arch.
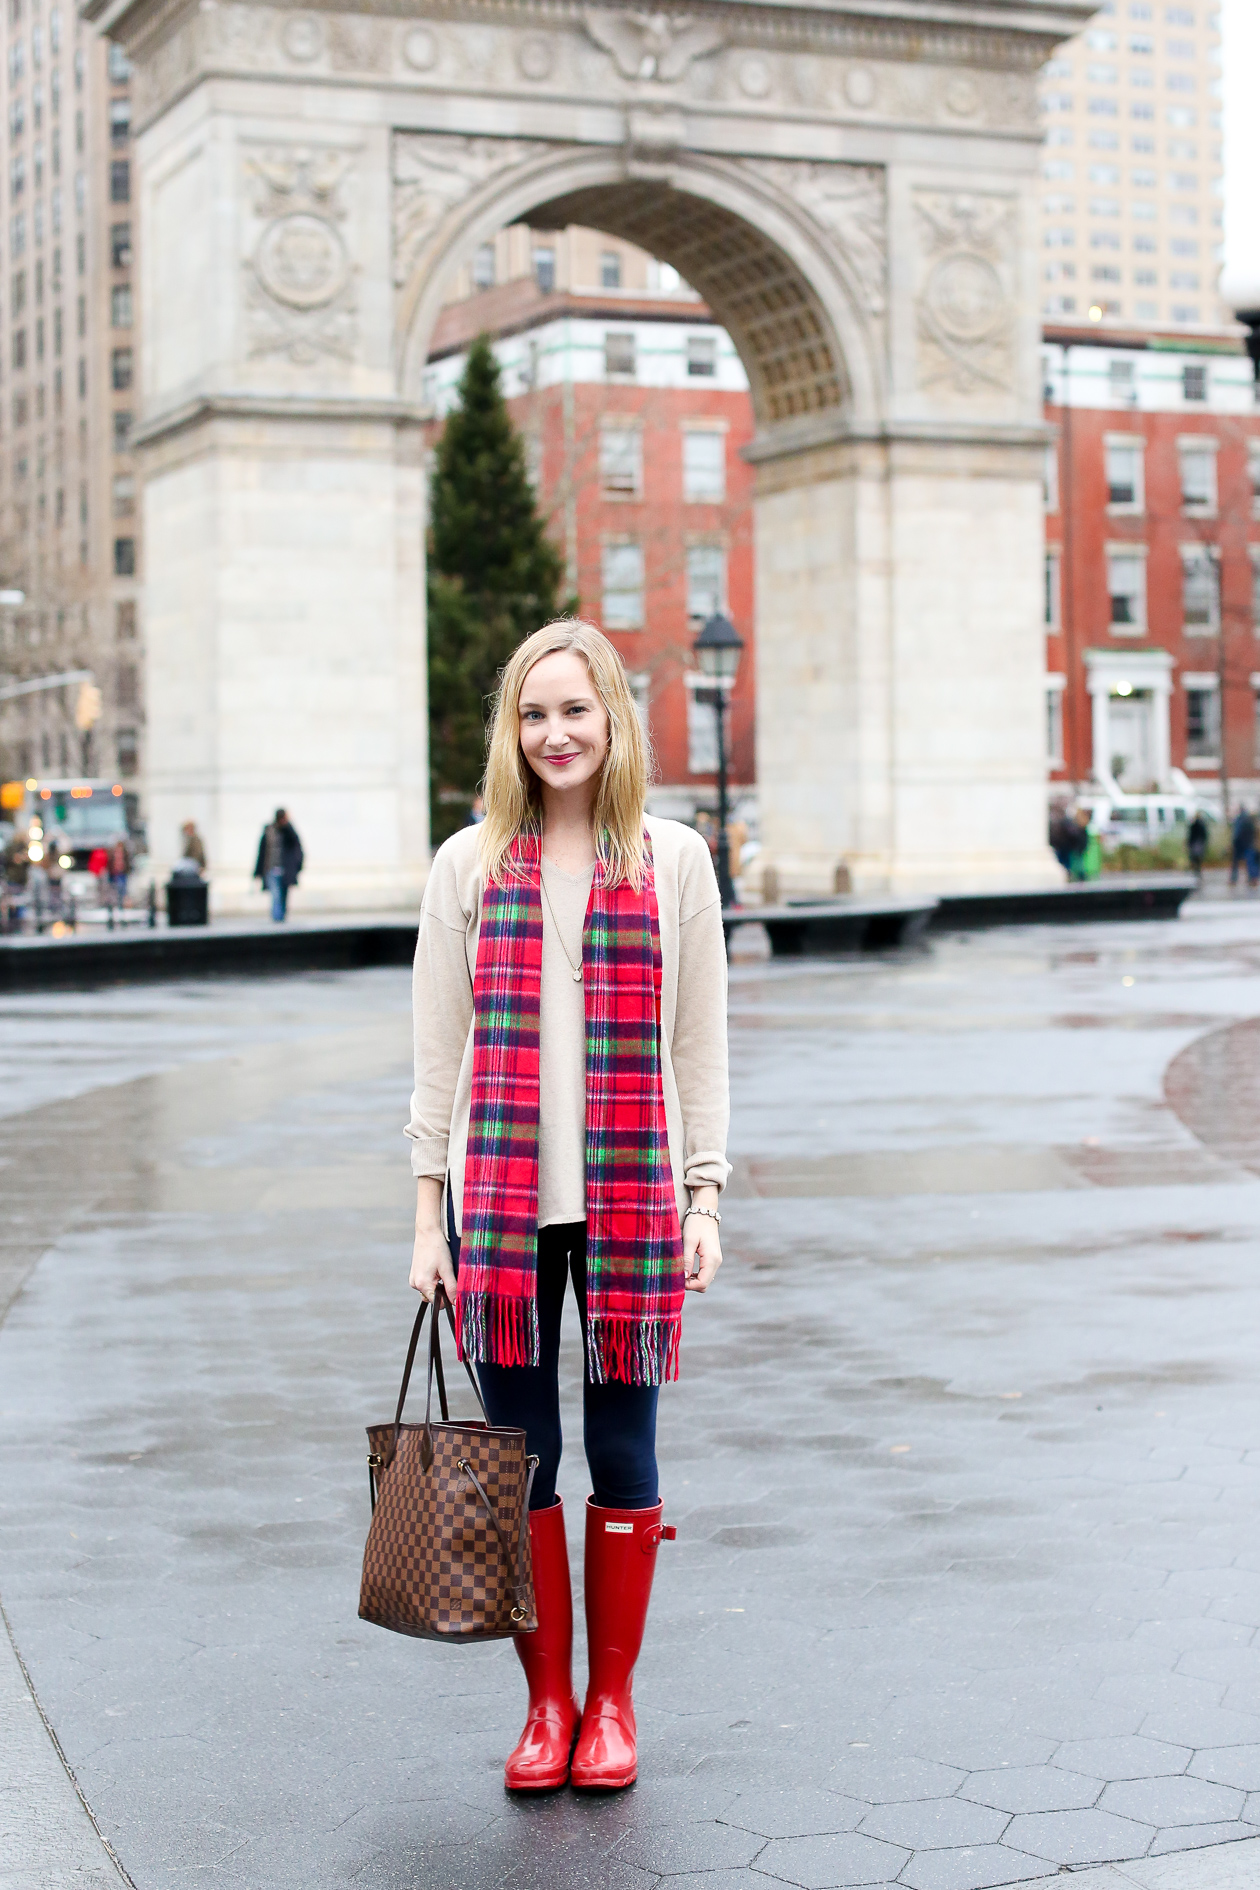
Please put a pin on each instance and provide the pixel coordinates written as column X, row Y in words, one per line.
column 850, row 182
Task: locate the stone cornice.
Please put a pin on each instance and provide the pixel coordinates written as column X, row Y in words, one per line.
column 1016, row 34
column 203, row 408
column 835, row 429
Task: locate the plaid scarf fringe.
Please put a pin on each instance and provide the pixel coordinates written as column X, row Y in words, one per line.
column 632, row 1351
column 494, row 1327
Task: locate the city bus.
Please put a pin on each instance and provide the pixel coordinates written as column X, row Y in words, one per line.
column 67, row 819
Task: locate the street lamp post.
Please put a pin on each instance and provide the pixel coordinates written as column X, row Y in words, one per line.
column 717, row 651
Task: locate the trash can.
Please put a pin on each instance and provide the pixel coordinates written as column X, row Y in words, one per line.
column 187, row 900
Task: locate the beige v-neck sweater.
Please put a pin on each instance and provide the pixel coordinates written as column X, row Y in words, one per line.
column 693, row 1021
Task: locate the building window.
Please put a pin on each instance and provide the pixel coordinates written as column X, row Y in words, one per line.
column 621, row 462
column 1255, row 590
column 120, row 245
column 124, row 495
column 125, row 621
column 19, row 349
column 58, row 331
column 1194, row 382
column 1200, row 592
column 1054, row 725
column 1126, row 588
column 120, row 305
column 609, row 269
column 702, row 754
column 1203, row 723
column 483, row 266
column 126, row 685
column 623, row 587
column 619, row 356
column 1198, row 479
column 119, row 65
column 1050, row 477
column 704, row 466
column 119, row 120
column 641, row 689
column 1050, row 599
column 17, row 235
column 1122, row 380
column 120, row 181
column 17, row 176
column 124, row 557
column 128, row 752
column 1124, row 476
column 121, row 367
column 545, row 268
column 701, row 356
column 83, row 375
column 706, row 581
column 81, row 318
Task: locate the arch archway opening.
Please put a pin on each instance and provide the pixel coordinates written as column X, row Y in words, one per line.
column 757, row 293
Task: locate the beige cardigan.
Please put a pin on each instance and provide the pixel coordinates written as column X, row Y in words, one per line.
column 693, row 1010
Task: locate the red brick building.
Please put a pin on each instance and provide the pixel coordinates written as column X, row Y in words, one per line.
column 1152, row 563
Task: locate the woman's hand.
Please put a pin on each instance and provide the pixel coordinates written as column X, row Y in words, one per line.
column 702, row 1247
column 430, row 1256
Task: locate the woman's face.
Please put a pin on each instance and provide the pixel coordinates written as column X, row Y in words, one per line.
column 563, row 724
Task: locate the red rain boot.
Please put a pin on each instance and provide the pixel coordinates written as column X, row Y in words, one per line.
column 540, row 1762
column 621, row 1547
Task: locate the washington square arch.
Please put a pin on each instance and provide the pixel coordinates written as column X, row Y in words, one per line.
column 851, row 189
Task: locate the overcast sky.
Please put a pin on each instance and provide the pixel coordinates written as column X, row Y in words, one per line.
column 1241, row 25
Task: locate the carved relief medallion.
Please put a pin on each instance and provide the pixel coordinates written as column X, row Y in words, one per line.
column 536, row 57
column 303, row 37
column 966, row 301
column 420, row 49
column 300, row 278
column 301, row 260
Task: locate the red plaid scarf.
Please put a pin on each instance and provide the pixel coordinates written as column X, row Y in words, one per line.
column 634, row 1274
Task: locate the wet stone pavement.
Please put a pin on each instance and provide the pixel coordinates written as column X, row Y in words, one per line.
column 964, row 1462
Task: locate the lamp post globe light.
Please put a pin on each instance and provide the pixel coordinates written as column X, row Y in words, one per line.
column 717, row 651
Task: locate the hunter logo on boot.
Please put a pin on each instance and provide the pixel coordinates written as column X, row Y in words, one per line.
column 619, row 1528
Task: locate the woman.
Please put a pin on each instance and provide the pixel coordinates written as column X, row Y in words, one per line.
column 570, row 1032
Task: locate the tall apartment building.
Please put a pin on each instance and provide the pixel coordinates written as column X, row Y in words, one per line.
column 69, row 513
column 1132, row 222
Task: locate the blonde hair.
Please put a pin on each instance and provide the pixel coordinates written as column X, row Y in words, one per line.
column 512, row 790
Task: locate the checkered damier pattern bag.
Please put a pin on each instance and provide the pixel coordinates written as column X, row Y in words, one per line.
column 447, row 1555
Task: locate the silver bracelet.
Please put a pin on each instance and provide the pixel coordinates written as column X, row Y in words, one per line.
column 711, row 1212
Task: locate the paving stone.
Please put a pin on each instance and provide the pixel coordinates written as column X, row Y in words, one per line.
column 1199, row 1837
column 977, row 1867
column 779, row 1814
column 933, row 1823
column 1032, row 1788
column 1229, row 1765
column 1163, row 1801
column 676, row 1849
column 831, row 1863
column 1137, row 1757
column 1078, row 1837
column 890, row 1777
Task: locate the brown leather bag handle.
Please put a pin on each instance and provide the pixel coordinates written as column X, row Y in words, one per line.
column 521, row 1611
column 440, row 1303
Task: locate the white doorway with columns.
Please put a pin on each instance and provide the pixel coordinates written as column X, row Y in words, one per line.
column 1129, row 693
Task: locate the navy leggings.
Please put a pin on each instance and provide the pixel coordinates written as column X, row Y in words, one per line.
column 618, row 1421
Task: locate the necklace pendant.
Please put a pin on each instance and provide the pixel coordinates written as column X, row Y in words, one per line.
column 577, row 976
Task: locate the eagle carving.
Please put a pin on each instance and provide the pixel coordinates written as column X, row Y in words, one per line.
column 652, row 45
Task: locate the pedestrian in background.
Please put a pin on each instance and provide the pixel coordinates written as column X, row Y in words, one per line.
column 280, row 860
column 119, row 868
column 194, row 846
column 1242, row 852
column 570, row 1110
column 1197, row 843
column 477, row 812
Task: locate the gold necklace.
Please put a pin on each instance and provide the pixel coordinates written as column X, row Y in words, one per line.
column 575, row 969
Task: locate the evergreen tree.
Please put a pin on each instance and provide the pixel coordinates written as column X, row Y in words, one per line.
column 493, row 576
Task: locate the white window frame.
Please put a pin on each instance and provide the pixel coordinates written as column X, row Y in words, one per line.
column 622, row 618
column 1050, row 477
column 1202, row 446
column 613, row 338
column 1126, row 443
column 705, row 429
column 701, row 725
column 1052, row 604
column 1203, row 683
column 722, row 552
column 1055, row 686
column 620, row 457
column 1194, row 554
column 1137, row 555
